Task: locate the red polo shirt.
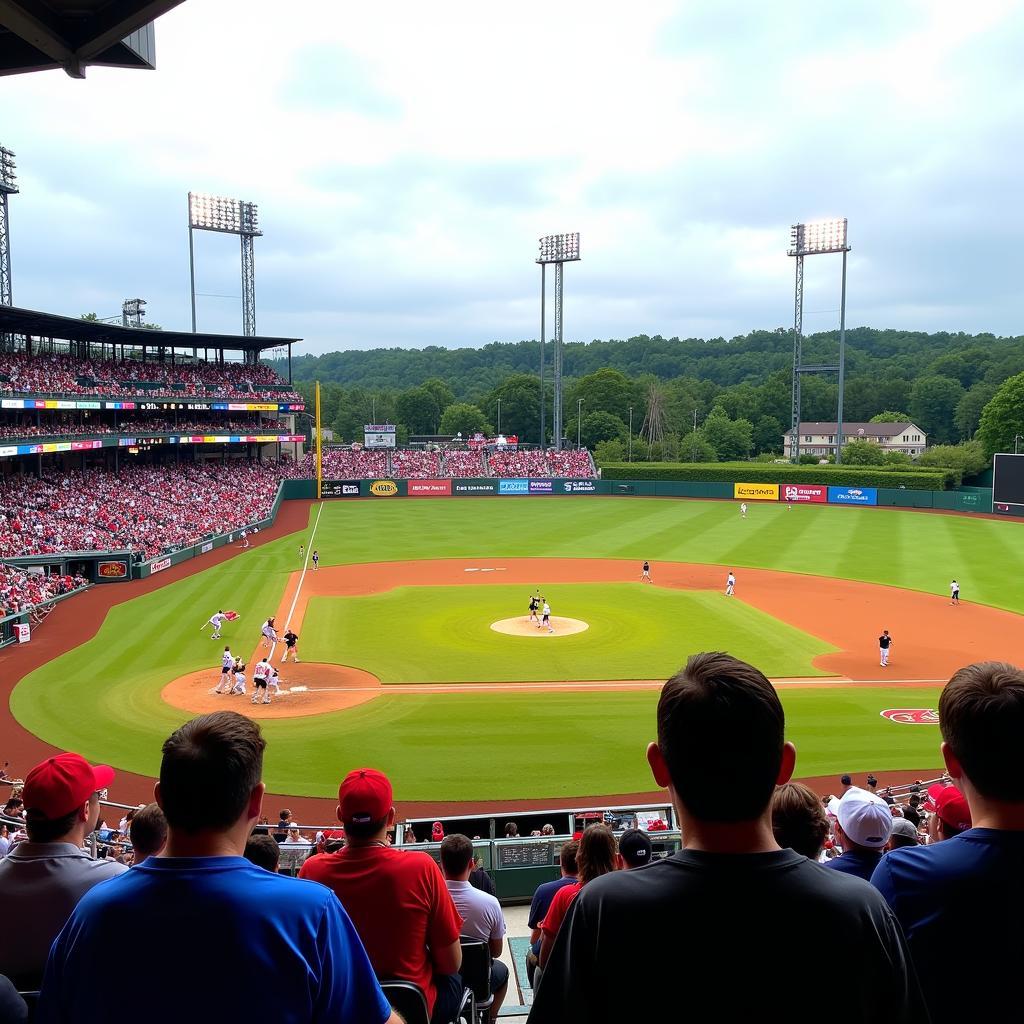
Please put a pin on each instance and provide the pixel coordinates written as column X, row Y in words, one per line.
column 559, row 906
column 399, row 904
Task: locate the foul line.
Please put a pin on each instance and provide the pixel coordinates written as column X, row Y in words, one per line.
column 302, row 576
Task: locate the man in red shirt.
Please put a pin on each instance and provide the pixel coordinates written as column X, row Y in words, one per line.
column 397, row 899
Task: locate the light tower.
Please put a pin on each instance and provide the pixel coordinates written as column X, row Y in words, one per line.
column 132, row 312
column 231, row 217
column 557, row 249
column 8, row 186
column 816, row 238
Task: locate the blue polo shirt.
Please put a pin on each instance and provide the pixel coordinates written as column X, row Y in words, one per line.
column 856, row 862
column 211, row 938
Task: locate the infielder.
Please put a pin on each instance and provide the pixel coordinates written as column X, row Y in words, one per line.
column 316, row 560
column 238, row 690
column 730, row 584
column 215, row 621
column 269, row 632
column 646, row 573
column 273, row 683
column 954, row 592
column 227, row 663
column 259, row 682
column 884, row 643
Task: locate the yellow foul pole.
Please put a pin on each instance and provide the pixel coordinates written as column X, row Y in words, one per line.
column 319, row 448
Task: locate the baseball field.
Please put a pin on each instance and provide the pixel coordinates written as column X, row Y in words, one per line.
column 417, row 656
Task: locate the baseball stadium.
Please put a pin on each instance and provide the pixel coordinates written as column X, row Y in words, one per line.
column 480, row 631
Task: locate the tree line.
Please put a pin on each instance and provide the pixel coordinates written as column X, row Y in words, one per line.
column 671, row 399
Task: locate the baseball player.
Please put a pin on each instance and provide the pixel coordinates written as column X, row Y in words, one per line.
column 954, row 592
column 316, row 560
column 227, row 663
column 215, row 621
column 302, row 552
column 646, row 574
column 273, row 683
column 238, row 690
column 743, row 510
column 245, row 538
column 291, row 640
column 884, row 643
column 730, row 584
column 534, row 605
column 547, row 616
column 259, row 682
column 269, row 632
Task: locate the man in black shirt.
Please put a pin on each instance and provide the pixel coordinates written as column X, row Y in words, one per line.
column 732, row 904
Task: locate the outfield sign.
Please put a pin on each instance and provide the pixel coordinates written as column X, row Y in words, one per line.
column 163, row 563
column 756, row 492
column 464, row 486
column 115, row 570
column 853, row 495
column 541, row 487
column 429, row 488
column 383, row 488
column 513, row 486
column 339, row 489
column 802, row 492
column 23, row 632
column 579, row 486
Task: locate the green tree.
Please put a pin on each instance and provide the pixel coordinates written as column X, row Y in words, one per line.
column 91, row 317
column 608, row 391
column 441, row 392
column 968, row 457
column 418, row 410
column 463, row 418
column 695, row 447
column 601, row 426
column 520, row 406
column 863, row 453
column 968, row 409
column 933, row 402
column 731, row 439
column 609, row 451
column 1003, row 418
column 888, row 416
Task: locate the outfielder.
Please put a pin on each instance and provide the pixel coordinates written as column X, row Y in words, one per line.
column 730, row 584
column 215, row 621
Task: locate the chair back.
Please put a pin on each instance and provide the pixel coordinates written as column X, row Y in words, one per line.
column 406, row 999
column 476, row 967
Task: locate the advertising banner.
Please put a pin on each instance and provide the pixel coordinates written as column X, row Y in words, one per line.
column 164, row 563
column 429, row 488
column 853, row 495
column 474, row 486
column 23, row 631
column 383, row 488
column 541, row 487
column 206, row 548
column 802, row 492
column 756, row 492
column 513, row 486
column 112, row 570
column 340, row 489
column 579, row 486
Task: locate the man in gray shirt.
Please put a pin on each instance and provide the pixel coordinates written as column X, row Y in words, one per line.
column 42, row 879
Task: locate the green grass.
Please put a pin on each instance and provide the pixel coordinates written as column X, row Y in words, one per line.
column 103, row 699
column 443, row 634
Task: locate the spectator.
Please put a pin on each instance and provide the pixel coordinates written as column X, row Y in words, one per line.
column 542, row 898
column 733, row 904
column 511, row 830
column 42, row 880
column 799, row 821
column 547, row 830
column 480, row 912
column 964, row 894
column 5, row 841
column 330, row 840
column 147, row 832
column 911, row 810
column 863, row 824
column 595, row 857
column 259, row 944
column 461, row 464
column 13, row 1009
column 903, row 834
column 635, row 848
column 264, row 852
column 14, row 808
column 396, row 898
column 436, row 832
column 479, row 879
column 846, row 782
column 950, row 814
column 284, row 819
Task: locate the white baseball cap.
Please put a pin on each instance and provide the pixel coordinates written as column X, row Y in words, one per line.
column 865, row 818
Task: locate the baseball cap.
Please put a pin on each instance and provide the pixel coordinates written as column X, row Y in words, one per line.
column 865, row 818
column 635, row 848
column 59, row 784
column 364, row 795
column 904, row 827
column 949, row 804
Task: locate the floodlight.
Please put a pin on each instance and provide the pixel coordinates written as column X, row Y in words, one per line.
column 7, row 175
column 818, row 236
column 559, row 248
column 216, row 213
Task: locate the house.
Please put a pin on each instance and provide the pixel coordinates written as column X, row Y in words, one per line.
column 820, row 438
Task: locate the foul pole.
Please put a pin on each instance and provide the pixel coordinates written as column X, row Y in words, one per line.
column 319, row 449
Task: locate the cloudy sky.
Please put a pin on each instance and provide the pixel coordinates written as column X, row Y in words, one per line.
column 406, row 157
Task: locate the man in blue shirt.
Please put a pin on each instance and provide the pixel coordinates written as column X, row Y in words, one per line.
column 542, row 898
column 863, row 827
column 201, row 930
column 961, row 901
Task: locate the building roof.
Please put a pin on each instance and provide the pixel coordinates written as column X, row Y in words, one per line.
column 36, row 35
column 14, row 320
column 856, row 429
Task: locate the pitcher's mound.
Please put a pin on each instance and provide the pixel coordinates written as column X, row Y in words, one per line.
column 521, row 626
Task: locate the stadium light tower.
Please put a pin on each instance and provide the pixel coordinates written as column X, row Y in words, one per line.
column 557, row 249
column 8, row 186
column 817, row 238
column 230, row 217
column 132, row 312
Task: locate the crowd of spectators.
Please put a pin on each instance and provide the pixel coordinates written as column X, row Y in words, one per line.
column 346, row 464
column 75, row 426
column 462, row 465
column 572, row 462
column 63, row 375
column 146, row 509
column 21, row 591
column 527, row 462
column 409, row 464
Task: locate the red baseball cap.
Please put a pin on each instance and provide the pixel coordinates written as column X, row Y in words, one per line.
column 62, row 783
column 949, row 804
column 364, row 795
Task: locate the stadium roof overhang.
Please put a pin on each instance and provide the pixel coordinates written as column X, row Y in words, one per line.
column 48, row 325
column 36, row 35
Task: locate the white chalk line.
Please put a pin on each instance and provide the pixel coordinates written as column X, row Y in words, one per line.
column 302, row 577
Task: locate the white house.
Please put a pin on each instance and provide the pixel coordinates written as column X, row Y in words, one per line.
column 820, row 438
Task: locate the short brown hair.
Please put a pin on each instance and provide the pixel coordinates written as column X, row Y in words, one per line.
column 148, row 831
column 209, row 769
column 721, row 730
column 263, row 851
column 799, row 820
column 567, row 856
column 596, row 853
column 981, row 716
column 456, row 854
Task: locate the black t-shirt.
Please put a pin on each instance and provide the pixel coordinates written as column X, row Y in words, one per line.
column 759, row 937
column 884, row 641
column 290, row 639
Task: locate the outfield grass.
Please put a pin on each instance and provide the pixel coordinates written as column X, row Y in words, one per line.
column 103, row 698
column 443, row 634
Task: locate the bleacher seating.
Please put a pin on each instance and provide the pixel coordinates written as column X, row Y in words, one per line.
column 414, row 465
column 72, row 426
column 517, row 464
column 570, row 463
column 21, row 591
column 345, row 464
column 462, row 465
